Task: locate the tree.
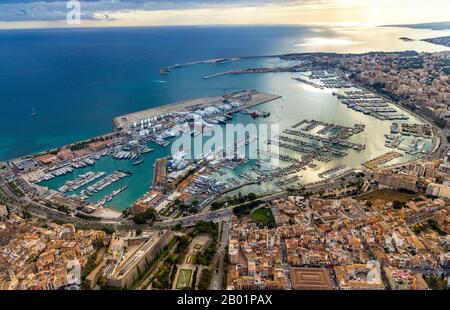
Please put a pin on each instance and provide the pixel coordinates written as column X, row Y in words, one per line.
column 62, row 209
column 396, row 204
column 241, row 198
column 205, row 279
column 182, row 244
column 216, row 205
column 251, row 196
column 196, row 202
column 147, row 215
column 194, row 277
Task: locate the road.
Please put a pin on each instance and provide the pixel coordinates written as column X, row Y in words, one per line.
column 215, row 216
column 216, row 281
column 40, row 210
column 223, row 214
column 285, row 265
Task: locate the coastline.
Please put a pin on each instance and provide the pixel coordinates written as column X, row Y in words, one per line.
column 254, row 98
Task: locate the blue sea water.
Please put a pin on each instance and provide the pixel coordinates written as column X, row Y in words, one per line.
column 78, row 80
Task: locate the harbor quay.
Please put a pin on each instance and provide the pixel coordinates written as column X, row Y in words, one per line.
column 87, row 191
column 197, row 183
column 236, row 222
column 253, row 98
column 177, row 179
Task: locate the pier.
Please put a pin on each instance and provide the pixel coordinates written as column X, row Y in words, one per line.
column 331, row 171
column 80, row 181
column 325, row 140
column 105, row 182
column 247, row 99
column 377, row 161
column 370, row 104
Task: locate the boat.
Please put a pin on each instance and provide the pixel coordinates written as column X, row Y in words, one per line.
column 33, row 112
column 256, row 114
column 138, row 162
column 146, row 150
column 164, row 71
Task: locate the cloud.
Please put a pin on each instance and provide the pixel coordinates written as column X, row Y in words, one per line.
column 51, row 10
column 48, row 13
column 48, row 10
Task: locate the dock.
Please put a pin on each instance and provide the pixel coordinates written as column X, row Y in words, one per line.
column 254, row 98
column 374, row 163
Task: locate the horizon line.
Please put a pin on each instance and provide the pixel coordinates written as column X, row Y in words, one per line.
column 108, row 26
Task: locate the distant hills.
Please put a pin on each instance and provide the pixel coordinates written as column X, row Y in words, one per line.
column 432, row 26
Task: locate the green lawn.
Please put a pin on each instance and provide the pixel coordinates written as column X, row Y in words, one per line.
column 436, row 282
column 263, row 217
column 388, row 195
column 184, row 278
column 197, row 246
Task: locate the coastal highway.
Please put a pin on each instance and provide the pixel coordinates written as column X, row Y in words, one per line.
column 217, row 215
column 223, row 214
column 37, row 209
column 40, row 210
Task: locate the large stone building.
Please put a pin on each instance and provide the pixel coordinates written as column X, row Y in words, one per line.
column 396, row 180
column 310, row 278
column 130, row 256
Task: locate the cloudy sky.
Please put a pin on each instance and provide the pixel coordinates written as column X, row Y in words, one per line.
column 98, row 13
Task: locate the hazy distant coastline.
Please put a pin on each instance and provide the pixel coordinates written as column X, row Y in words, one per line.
column 431, row 26
column 445, row 41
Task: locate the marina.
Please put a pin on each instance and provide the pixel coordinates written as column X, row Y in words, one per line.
column 109, row 197
column 80, row 181
column 318, row 159
column 354, row 98
column 370, row 104
column 105, row 182
column 144, row 136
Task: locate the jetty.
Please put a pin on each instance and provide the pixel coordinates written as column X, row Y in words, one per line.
column 245, row 98
column 374, row 163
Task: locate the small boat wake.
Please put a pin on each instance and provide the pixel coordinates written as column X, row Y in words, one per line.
column 159, row 81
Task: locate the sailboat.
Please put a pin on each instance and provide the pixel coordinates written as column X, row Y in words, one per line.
column 33, row 112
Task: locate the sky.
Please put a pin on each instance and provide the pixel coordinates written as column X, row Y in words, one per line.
column 103, row 13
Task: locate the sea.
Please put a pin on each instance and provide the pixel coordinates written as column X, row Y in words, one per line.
column 78, row 80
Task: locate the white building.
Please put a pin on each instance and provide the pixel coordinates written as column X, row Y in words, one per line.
column 438, row 190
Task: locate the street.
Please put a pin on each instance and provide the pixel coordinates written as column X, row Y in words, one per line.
column 216, row 281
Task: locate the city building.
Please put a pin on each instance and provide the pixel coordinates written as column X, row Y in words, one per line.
column 129, row 256
column 310, row 279
column 438, row 190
